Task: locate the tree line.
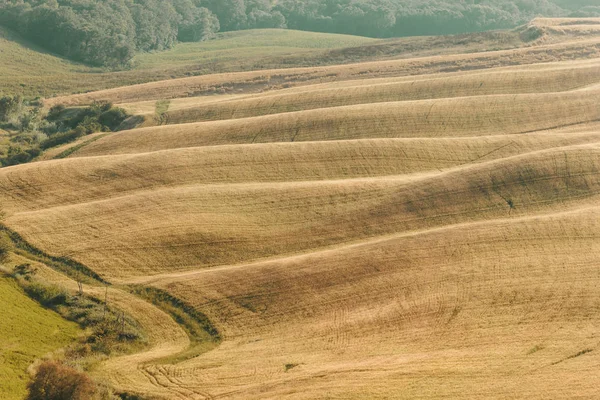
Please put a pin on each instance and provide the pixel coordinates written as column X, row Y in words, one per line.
column 110, row 32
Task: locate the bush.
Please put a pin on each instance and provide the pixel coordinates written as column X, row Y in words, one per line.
column 62, row 138
column 55, row 112
column 16, row 156
column 10, row 106
column 29, row 121
column 5, row 248
column 90, row 125
column 24, row 270
column 112, row 118
column 55, row 381
column 531, row 33
column 47, row 295
column 85, row 311
column 100, row 116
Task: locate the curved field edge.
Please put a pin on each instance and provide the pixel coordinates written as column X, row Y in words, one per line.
column 175, row 330
column 203, row 335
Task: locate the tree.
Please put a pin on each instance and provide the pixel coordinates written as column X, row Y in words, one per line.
column 260, row 14
column 260, row 19
column 156, row 24
column 231, row 13
column 109, row 32
column 586, row 12
column 202, row 25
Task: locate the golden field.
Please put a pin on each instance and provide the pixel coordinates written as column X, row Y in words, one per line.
column 416, row 228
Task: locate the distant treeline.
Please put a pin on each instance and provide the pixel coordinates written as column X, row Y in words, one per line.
column 109, row 32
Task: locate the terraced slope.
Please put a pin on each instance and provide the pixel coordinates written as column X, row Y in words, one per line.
column 430, row 236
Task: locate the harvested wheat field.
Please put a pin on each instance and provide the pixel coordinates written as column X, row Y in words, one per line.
column 416, row 228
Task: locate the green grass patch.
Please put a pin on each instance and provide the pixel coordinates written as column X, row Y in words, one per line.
column 32, row 332
column 251, row 45
column 108, row 331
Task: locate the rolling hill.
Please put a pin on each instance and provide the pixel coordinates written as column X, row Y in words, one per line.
column 420, row 227
column 31, row 71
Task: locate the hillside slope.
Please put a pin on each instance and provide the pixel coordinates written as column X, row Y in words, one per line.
column 29, row 70
column 28, row 331
column 419, row 228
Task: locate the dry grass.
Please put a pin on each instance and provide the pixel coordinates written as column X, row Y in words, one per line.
column 566, row 49
column 518, row 80
column 450, row 313
column 376, row 236
column 451, row 117
column 207, row 225
column 73, row 181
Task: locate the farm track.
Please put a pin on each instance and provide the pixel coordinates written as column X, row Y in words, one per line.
column 421, row 228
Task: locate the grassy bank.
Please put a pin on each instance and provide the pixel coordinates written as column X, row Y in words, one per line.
column 33, row 331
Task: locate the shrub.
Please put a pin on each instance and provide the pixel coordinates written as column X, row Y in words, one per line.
column 55, row 112
column 16, row 155
column 112, row 118
column 100, row 106
column 5, row 248
column 100, row 116
column 62, row 138
column 9, row 107
column 29, row 121
column 23, row 138
column 48, row 127
column 24, row 270
column 103, row 337
column 90, row 125
column 55, row 381
column 531, row 33
column 47, row 295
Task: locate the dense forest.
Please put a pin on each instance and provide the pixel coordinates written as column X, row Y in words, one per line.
column 110, row 32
